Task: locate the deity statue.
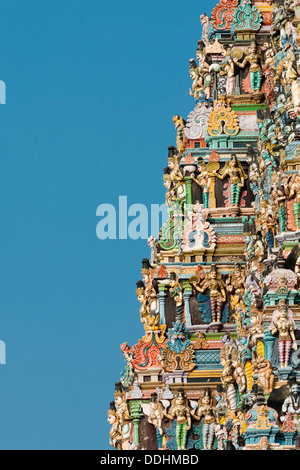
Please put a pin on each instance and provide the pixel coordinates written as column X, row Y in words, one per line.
column 155, row 417
column 220, row 402
column 227, row 68
column 283, row 327
column 236, row 283
column 294, row 195
column 150, row 318
column 269, row 54
column 267, row 224
column 254, row 59
column 204, row 20
column 115, row 433
column 173, row 179
column 203, row 180
column 292, row 78
column 292, row 403
column 256, row 331
column 197, row 85
column 122, row 414
column 237, row 176
column 207, row 410
column 238, row 373
column 203, row 69
column 228, row 381
column 216, row 287
column 278, row 200
column 150, row 292
column 180, row 412
column 176, row 292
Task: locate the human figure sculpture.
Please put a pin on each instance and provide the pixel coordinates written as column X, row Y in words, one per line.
column 115, row 432
column 150, row 318
column 292, row 403
column 203, row 180
column 254, row 59
column 227, row 68
column 207, row 410
column 283, row 328
column 150, row 292
column 216, row 288
column 234, row 170
column 228, row 379
column 203, row 69
column 278, row 198
column 180, row 412
column 294, row 194
column 176, row 293
column 197, row 85
column 155, row 417
column 122, row 414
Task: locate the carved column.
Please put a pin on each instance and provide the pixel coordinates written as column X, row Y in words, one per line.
column 162, row 303
column 186, row 297
column 136, row 415
column 188, row 186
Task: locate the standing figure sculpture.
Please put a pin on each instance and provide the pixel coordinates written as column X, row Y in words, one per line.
column 175, row 291
column 156, row 417
column 115, row 432
column 203, row 180
column 237, row 176
column 207, row 410
column 227, row 68
column 203, row 69
column 283, row 328
column 228, row 379
column 254, row 59
column 122, row 414
column 294, row 195
column 216, row 287
column 180, row 412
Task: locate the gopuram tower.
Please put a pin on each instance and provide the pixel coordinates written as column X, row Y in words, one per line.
column 218, row 366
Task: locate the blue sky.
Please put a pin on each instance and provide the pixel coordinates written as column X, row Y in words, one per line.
column 91, row 90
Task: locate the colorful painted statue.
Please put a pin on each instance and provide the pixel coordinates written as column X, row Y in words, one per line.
column 227, row 68
column 234, row 170
column 155, row 417
column 254, row 59
column 228, row 380
column 236, row 283
column 207, row 411
column 238, row 372
column 262, row 367
column 203, row 180
column 292, row 403
column 267, row 223
column 115, row 433
column 173, row 179
column 278, row 201
column 175, row 291
column 294, row 194
column 216, row 287
column 256, row 332
column 283, row 328
column 122, row 414
column 150, row 292
column 197, row 85
column 150, row 318
column 180, row 412
column 203, row 69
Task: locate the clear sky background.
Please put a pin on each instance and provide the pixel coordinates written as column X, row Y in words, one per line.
column 91, row 90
